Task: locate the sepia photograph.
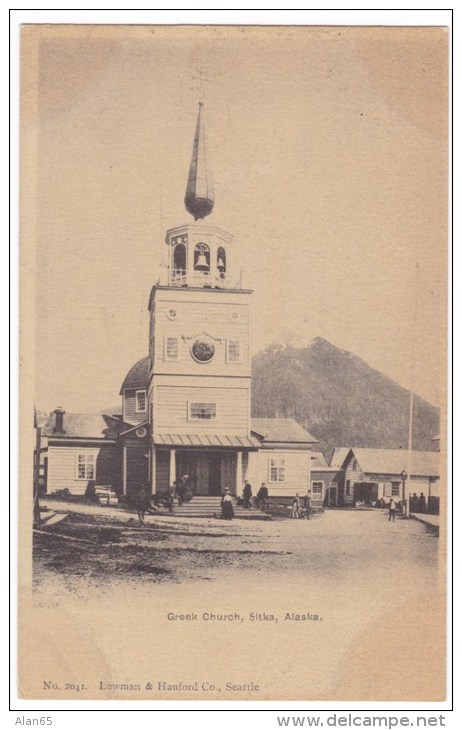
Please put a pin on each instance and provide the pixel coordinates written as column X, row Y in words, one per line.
column 233, row 363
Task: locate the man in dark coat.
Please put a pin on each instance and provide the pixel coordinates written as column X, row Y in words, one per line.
column 422, row 503
column 247, row 494
column 262, row 496
column 143, row 504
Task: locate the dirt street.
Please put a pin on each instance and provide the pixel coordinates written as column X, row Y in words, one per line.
column 108, row 546
column 371, row 584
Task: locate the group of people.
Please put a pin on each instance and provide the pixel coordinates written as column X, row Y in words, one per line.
column 301, row 507
column 261, row 500
column 418, row 504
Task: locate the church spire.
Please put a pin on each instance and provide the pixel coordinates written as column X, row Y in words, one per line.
column 199, row 198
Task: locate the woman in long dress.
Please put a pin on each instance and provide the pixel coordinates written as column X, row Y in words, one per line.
column 227, row 511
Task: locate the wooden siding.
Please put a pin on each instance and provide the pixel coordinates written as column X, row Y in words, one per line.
column 296, row 472
column 201, row 312
column 129, row 408
column 327, row 479
column 415, row 484
column 62, row 467
column 171, row 410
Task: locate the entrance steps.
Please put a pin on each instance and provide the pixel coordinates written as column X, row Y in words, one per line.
column 210, row 506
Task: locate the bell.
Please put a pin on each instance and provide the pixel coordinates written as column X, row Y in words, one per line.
column 201, row 263
column 220, row 264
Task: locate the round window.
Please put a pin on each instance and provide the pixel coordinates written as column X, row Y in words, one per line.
column 203, row 350
column 172, row 314
column 141, row 432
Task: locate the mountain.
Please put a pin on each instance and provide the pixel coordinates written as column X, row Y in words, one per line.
column 340, row 399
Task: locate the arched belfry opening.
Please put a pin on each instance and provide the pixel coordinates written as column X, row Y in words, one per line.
column 179, row 259
column 221, row 262
column 201, row 257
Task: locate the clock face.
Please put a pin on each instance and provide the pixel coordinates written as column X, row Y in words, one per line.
column 202, row 350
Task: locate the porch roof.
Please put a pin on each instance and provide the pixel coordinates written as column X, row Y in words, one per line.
column 211, row 440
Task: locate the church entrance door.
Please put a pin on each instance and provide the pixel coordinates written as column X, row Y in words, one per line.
column 214, row 474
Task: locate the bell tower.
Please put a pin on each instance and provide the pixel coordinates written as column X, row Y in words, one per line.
column 198, row 254
column 199, row 347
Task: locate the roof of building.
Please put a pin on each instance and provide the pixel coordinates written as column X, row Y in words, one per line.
column 318, row 460
column 281, row 430
column 85, row 426
column 137, row 376
column 220, row 440
column 339, row 455
column 394, row 461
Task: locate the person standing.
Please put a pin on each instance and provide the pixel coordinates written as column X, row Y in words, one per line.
column 391, row 510
column 171, row 497
column 143, row 503
column 422, row 503
column 247, row 494
column 227, row 511
column 183, row 485
column 295, row 513
column 262, row 496
column 308, row 505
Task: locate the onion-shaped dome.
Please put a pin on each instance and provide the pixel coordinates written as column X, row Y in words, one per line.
column 200, row 198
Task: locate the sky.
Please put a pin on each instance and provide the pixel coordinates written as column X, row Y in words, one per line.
column 328, row 150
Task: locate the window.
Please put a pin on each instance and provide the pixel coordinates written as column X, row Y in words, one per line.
column 203, row 411
column 354, row 465
column 317, row 490
column 171, row 348
column 86, row 466
column 140, row 401
column 277, row 470
column 233, row 351
column 203, row 350
column 347, row 488
column 395, row 489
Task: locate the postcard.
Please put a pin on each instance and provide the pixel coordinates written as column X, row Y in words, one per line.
column 233, row 363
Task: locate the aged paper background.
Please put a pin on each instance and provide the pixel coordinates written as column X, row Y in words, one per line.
column 79, row 88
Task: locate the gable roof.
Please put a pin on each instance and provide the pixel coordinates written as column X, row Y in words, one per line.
column 339, row 455
column 85, row 426
column 281, row 430
column 318, row 460
column 394, row 461
column 137, row 376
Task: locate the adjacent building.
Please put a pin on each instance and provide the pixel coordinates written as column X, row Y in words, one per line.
column 368, row 475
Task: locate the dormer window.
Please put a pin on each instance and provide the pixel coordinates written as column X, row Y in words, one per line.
column 140, row 401
column 201, row 257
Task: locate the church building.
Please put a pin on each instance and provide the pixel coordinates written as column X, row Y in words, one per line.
column 186, row 406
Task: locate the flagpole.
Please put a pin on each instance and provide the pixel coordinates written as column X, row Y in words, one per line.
column 407, row 502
